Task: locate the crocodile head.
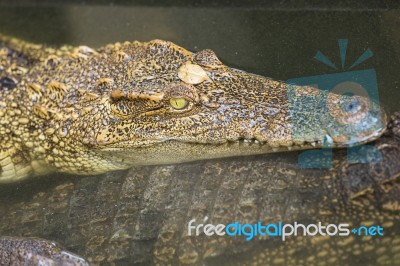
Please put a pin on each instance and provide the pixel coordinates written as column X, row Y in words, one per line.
column 170, row 105
column 86, row 111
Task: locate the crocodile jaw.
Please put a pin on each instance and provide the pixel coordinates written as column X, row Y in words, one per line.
column 75, row 109
column 247, row 126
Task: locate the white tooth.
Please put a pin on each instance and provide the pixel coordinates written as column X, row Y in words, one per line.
column 328, row 139
column 313, row 144
column 256, row 141
column 275, row 149
column 289, row 148
column 245, row 140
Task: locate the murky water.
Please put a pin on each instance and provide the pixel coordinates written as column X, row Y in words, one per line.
column 276, row 43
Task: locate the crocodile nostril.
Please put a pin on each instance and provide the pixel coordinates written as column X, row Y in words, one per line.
column 7, row 83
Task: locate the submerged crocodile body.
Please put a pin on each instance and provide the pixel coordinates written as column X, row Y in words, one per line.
column 141, row 216
column 83, row 111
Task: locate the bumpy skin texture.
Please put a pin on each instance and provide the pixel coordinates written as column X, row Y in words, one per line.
column 33, row 251
column 140, row 216
column 84, row 111
column 81, row 111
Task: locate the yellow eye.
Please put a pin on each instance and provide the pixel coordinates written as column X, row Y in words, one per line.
column 178, row 103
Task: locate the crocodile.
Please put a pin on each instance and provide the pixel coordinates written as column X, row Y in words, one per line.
column 82, row 111
column 141, row 216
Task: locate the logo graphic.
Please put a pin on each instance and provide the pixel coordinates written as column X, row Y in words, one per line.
column 343, row 111
column 279, row 229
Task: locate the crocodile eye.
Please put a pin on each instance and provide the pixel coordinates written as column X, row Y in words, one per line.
column 178, row 103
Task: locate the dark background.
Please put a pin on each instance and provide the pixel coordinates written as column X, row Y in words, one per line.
column 272, row 38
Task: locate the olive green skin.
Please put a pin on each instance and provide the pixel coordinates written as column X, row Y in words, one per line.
column 83, row 111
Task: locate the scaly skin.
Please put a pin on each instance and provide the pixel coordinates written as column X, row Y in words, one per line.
column 140, row 216
column 33, row 251
column 85, row 111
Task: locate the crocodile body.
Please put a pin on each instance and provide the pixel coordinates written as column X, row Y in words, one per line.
column 83, row 111
column 141, row 216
